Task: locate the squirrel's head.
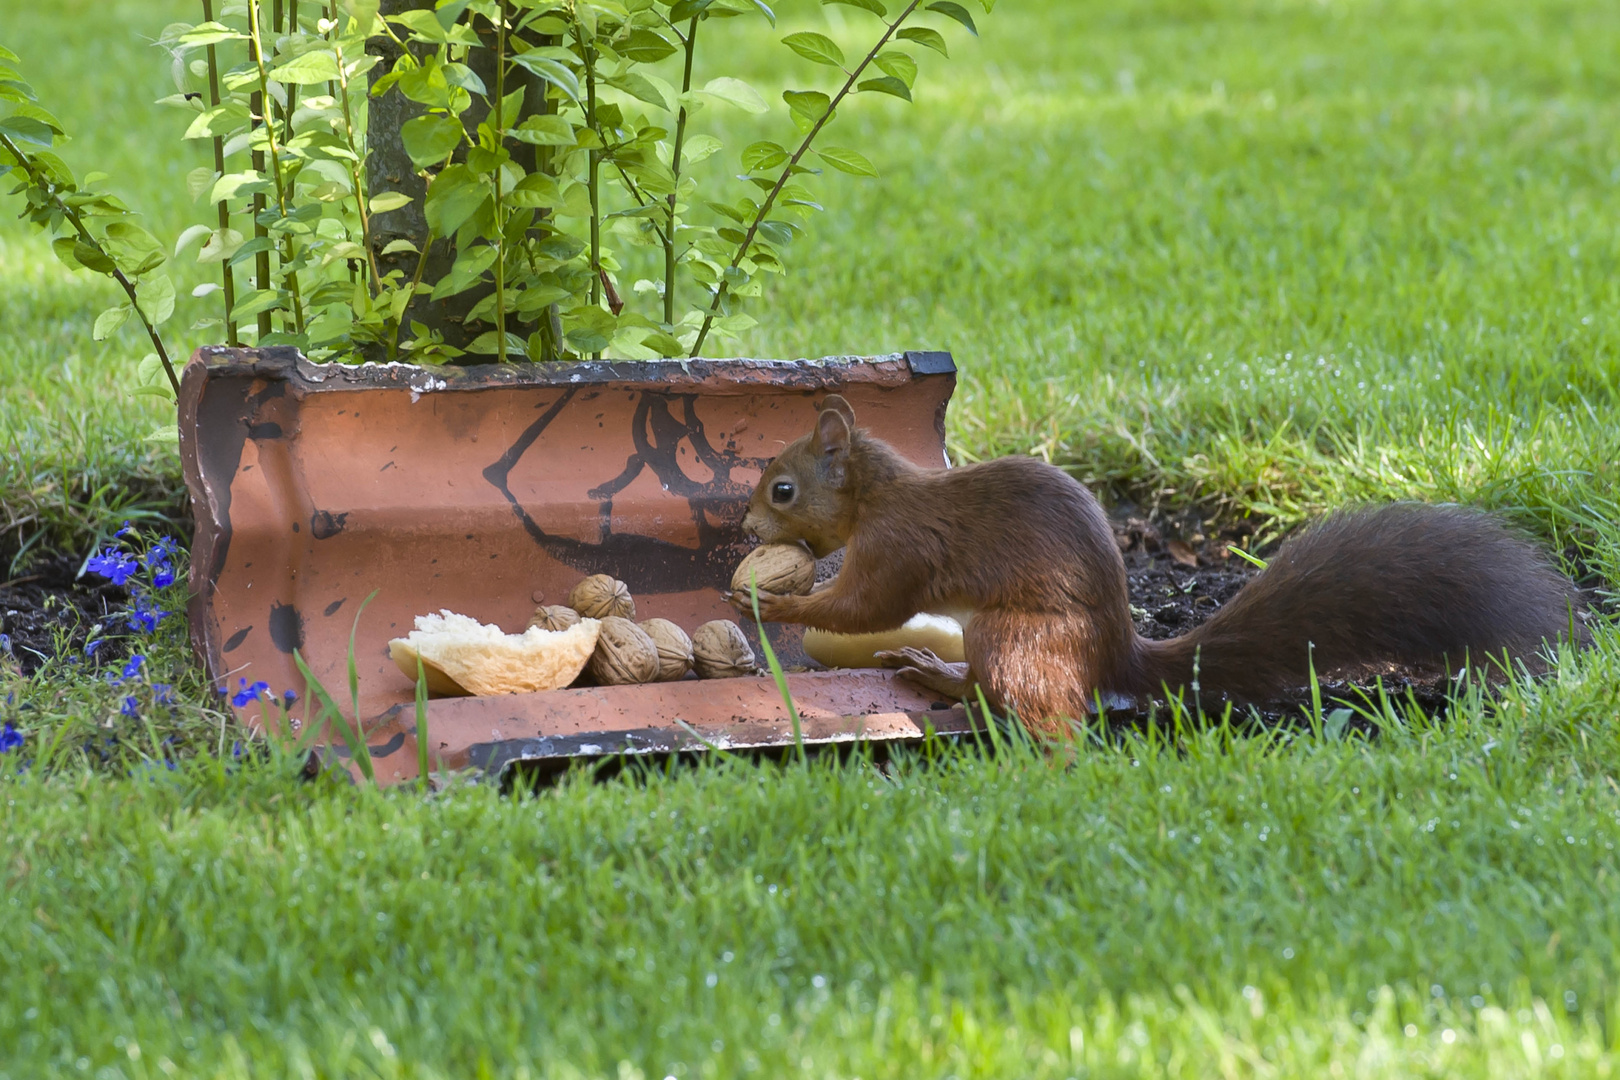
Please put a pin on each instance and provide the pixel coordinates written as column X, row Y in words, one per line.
column 804, row 494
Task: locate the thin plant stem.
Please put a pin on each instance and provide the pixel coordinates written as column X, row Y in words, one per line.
column 72, row 215
column 500, row 143
column 275, row 161
column 593, row 181
column 690, row 41
column 355, row 165
column 787, row 171
column 231, row 336
column 292, row 90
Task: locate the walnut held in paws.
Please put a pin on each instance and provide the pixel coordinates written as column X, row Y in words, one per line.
column 601, row 595
column 776, row 568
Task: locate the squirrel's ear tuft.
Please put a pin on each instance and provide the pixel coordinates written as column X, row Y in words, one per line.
column 836, row 403
column 832, row 441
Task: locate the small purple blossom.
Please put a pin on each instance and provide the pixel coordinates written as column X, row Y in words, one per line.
column 130, row 707
column 163, row 551
column 163, row 693
column 114, row 565
column 10, row 738
column 127, row 529
column 90, row 647
column 289, row 698
column 248, row 694
column 5, row 643
column 133, row 668
column 163, row 577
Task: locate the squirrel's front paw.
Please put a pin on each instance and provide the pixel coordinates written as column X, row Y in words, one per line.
column 771, row 605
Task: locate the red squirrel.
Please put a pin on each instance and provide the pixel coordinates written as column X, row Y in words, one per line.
column 1022, row 555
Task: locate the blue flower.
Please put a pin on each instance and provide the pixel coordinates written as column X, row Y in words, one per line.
column 5, row 642
column 133, row 668
column 289, row 698
column 130, row 707
column 143, row 615
column 113, row 565
column 163, row 693
column 163, row 577
column 10, row 738
column 90, row 647
column 128, row 529
column 248, row 693
column 163, row 551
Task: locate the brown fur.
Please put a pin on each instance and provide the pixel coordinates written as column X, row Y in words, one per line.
column 1029, row 551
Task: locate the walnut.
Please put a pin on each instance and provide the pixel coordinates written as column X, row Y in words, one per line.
column 600, row 595
column 720, row 651
column 624, row 654
column 554, row 617
column 674, row 648
column 778, row 568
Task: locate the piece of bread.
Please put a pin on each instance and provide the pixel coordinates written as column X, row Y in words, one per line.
column 937, row 633
column 463, row 656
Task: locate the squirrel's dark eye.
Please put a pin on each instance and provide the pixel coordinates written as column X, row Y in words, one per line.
column 782, row 491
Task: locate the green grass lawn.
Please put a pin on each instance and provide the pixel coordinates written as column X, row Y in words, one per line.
column 1267, row 257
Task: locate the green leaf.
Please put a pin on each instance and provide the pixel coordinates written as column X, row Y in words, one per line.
column 468, row 268
column 317, row 66
column 898, row 64
column 700, row 148
column 488, row 344
column 210, row 33
column 762, row 156
column 682, row 10
column 888, row 84
column 254, row 302
column 133, row 248
column 812, row 105
column 108, row 322
column 454, row 196
column 926, row 36
column 551, row 71
column 27, row 129
column 770, row 16
column 430, row 139
column 845, row 160
column 220, row 120
column 155, row 293
column 544, row 131
column 818, row 47
column 221, row 246
column 16, row 90
column 644, row 87
column 238, row 185
column 866, row 5
column 196, row 232
column 952, row 10
column 91, row 257
column 389, row 200
column 736, row 92
column 644, row 47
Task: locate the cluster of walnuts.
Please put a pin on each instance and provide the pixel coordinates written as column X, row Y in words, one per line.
column 656, row 650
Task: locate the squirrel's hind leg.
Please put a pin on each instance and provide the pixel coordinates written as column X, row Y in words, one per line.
column 922, row 667
column 1042, row 666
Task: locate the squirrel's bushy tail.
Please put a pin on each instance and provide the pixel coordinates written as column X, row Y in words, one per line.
column 1427, row 588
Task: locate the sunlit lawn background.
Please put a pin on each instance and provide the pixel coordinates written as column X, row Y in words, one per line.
column 1266, row 257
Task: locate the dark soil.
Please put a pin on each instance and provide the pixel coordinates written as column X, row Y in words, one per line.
column 48, row 611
